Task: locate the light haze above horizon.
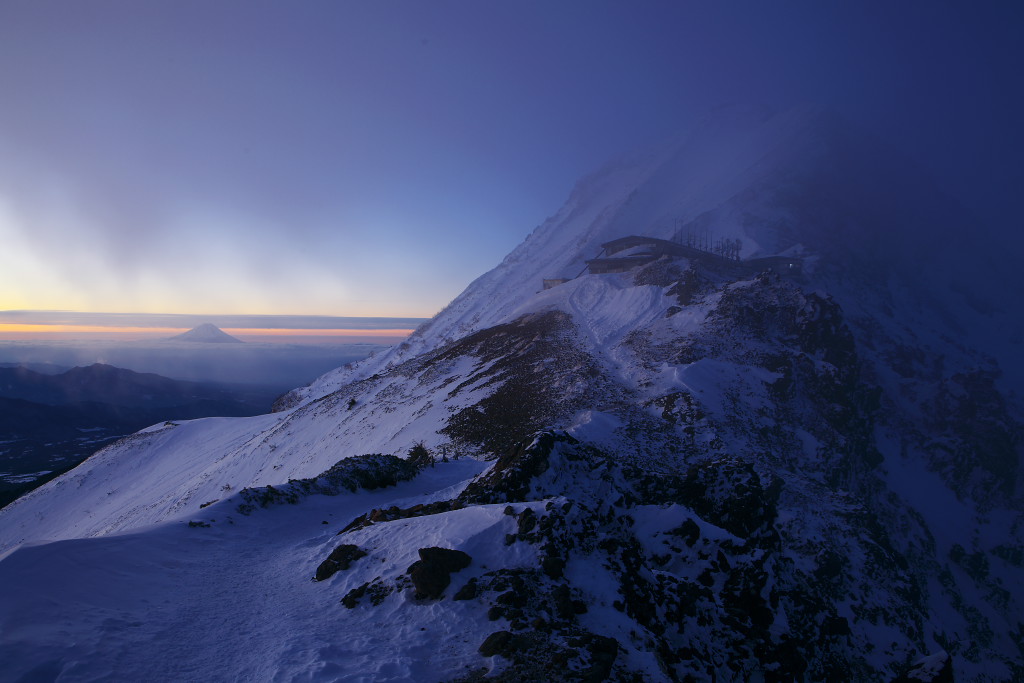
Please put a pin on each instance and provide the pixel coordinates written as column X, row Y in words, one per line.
column 371, row 159
column 40, row 326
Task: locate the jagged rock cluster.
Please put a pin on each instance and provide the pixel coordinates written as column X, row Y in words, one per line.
column 359, row 472
column 699, row 563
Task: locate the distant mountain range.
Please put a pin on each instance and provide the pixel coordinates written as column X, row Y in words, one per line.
column 51, row 422
column 283, row 365
column 103, row 383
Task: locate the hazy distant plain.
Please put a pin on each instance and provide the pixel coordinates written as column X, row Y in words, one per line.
column 281, row 351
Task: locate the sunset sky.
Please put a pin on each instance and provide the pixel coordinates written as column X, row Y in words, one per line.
column 372, row 158
column 22, row 326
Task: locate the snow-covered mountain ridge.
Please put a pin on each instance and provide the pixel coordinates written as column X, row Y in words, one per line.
column 797, row 182
column 691, row 476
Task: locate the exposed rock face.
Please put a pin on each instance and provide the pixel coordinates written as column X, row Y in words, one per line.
column 730, row 494
column 977, row 444
column 535, row 367
column 587, row 657
column 513, row 474
column 496, row 643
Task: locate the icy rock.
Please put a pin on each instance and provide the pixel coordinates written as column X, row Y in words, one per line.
column 936, row 668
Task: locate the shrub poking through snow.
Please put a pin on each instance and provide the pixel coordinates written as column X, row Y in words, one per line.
column 419, row 456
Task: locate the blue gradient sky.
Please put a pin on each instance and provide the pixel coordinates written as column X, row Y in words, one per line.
column 372, row 158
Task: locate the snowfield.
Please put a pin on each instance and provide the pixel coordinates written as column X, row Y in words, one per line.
column 234, row 601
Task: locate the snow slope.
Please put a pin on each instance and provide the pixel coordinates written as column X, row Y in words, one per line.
column 230, row 602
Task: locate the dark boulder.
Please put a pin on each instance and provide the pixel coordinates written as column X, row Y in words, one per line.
column 340, row 558
column 495, row 644
column 431, row 574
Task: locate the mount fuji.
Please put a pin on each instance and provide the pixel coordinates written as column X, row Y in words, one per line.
column 206, row 333
column 744, row 409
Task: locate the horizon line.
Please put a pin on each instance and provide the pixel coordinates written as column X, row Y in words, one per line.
column 264, row 321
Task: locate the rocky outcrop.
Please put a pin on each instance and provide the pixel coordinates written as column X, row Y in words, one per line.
column 360, row 472
column 700, row 561
column 534, row 367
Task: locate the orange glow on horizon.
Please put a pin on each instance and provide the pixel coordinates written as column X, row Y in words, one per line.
column 280, row 332
column 33, row 331
column 60, row 332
